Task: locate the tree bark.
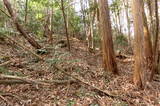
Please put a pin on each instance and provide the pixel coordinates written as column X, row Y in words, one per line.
column 156, row 42
column 106, row 33
column 147, row 41
column 19, row 27
column 65, row 22
column 26, row 11
column 90, row 34
column 52, row 30
column 83, row 16
column 142, row 47
column 126, row 5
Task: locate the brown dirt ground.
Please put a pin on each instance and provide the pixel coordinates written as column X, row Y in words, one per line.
column 80, row 63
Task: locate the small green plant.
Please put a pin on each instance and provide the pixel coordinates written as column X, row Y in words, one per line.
column 70, row 102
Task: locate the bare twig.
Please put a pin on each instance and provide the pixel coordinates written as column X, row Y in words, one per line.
column 9, row 103
column 5, row 13
column 11, row 95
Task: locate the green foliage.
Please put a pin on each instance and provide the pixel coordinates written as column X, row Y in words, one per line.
column 75, row 23
column 36, row 16
column 121, row 43
column 58, row 21
column 3, row 69
column 70, row 103
column 121, row 40
column 115, row 7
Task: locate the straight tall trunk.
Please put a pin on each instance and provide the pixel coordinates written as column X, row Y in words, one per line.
column 26, row 11
column 65, row 23
column 155, row 43
column 142, row 47
column 83, row 15
column 126, row 5
column 147, row 39
column 106, row 33
column 52, row 30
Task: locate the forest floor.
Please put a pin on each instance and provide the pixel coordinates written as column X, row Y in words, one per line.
column 79, row 81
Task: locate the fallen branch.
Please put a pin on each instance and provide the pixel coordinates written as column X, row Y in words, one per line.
column 21, row 80
column 84, row 82
column 9, row 82
column 59, row 81
column 5, row 63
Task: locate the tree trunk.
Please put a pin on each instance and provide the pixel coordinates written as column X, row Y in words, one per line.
column 46, row 25
column 52, row 30
column 83, row 16
column 147, row 40
column 151, row 8
column 26, row 11
column 142, row 47
column 65, row 22
column 155, row 43
column 126, row 5
column 119, row 22
column 106, row 33
column 19, row 27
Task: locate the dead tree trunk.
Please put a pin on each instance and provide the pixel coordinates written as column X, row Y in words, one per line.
column 19, row 27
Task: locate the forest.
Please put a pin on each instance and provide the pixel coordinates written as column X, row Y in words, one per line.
column 79, row 53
